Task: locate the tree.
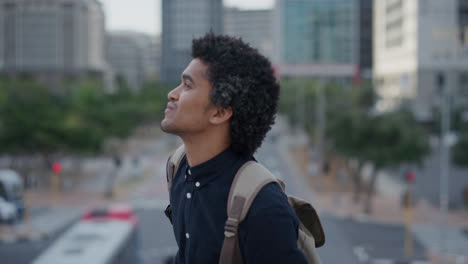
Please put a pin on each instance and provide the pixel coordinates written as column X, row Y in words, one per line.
column 77, row 118
column 346, row 126
column 392, row 139
column 31, row 119
column 386, row 140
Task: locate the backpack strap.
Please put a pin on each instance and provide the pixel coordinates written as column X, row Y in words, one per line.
column 173, row 164
column 248, row 181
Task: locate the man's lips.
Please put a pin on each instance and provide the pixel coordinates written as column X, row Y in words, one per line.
column 170, row 106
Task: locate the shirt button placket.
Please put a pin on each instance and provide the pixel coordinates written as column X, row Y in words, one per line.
column 188, row 207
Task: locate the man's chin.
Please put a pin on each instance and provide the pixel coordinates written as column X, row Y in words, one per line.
column 166, row 127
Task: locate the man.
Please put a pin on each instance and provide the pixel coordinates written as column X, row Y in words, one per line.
column 222, row 110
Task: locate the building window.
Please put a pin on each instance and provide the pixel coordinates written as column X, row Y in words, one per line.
column 440, row 83
column 394, row 23
column 393, row 6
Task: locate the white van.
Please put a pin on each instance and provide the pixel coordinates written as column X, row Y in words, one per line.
column 11, row 189
column 7, row 211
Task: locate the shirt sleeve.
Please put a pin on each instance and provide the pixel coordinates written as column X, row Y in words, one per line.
column 269, row 232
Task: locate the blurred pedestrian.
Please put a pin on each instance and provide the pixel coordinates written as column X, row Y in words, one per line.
column 222, row 109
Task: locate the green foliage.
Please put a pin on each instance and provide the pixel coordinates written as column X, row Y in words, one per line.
column 392, row 139
column 460, row 150
column 387, row 139
column 351, row 128
column 306, row 90
column 291, row 91
column 33, row 119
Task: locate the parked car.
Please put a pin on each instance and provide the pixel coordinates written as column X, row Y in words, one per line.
column 8, row 211
column 11, row 190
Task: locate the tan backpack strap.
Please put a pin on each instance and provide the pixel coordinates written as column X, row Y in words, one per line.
column 173, row 164
column 230, row 252
column 249, row 180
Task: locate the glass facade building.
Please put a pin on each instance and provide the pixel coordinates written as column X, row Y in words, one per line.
column 318, row 31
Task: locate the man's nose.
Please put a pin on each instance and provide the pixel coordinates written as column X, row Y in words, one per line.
column 173, row 95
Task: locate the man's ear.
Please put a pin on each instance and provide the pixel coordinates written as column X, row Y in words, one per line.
column 221, row 115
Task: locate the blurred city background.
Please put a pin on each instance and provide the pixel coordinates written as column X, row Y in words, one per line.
column 372, row 129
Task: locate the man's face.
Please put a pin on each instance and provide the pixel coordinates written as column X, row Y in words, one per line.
column 190, row 107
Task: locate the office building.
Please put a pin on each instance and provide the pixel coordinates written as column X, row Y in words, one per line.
column 317, row 38
column 52, row 36
column 420, row 49
column 182, row 20
column 253, row 26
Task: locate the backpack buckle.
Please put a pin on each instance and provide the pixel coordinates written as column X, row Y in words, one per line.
column 230, row 228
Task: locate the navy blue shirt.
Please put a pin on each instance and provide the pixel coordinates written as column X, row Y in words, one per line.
column 199, row 211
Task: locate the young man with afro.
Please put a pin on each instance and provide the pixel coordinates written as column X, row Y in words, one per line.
column 222, row 109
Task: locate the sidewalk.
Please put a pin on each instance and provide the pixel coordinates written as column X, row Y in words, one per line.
column 335, row 197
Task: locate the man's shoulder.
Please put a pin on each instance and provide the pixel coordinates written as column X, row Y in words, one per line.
column 270, row 200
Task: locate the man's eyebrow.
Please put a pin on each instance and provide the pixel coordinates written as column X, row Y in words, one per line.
column 187, row 77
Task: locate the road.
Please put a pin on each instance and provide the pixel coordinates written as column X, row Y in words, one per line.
column 348, row 240
column 156, row 238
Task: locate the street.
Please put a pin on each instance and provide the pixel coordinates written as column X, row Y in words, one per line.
column 349, row 239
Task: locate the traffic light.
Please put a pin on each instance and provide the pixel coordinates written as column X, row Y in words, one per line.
column 56, row 167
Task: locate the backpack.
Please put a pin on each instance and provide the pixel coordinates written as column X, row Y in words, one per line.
column 248, row 181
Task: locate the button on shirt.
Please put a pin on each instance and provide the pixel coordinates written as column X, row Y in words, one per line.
column 199, row 211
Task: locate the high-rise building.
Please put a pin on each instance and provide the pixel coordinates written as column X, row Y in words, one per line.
column 52, row 36
column 133, row 56
column 420, row 49
column 253, row 26
column 182, row 20
column 317, row 38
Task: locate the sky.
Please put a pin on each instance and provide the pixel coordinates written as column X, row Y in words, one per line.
column 145, row 15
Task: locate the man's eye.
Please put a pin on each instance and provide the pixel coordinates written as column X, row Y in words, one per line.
column 187, row 85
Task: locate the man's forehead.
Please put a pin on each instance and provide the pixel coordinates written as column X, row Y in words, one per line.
column 196, row 69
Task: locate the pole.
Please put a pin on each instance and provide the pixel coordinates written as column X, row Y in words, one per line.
column 444, row 158
column 320, row 121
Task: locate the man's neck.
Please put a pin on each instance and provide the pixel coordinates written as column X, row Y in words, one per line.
column 201, row 148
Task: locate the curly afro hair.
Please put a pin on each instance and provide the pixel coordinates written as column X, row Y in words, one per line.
column 242, row 79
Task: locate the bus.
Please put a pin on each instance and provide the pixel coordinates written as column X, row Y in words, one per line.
column 101, row 236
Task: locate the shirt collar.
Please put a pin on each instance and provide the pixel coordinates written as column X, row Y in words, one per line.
column 211, row 169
